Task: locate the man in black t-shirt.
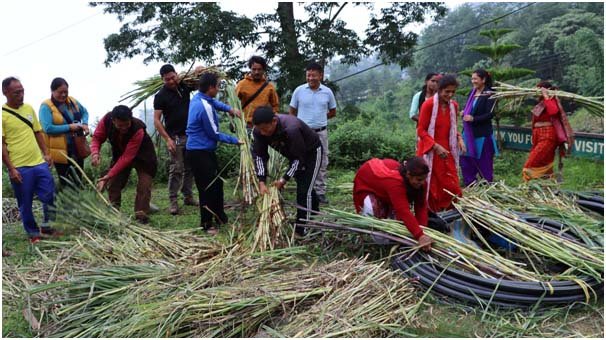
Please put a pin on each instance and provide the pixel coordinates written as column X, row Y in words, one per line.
column 172, row 103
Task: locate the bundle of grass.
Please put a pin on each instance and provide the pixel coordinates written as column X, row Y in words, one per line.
column 110, row 235
column 547, row 201
column 594, row 105
column 247, row 177
column 539, row 243
column 271, row 216
column 150, row 86
column 231, row 295
column 445, row 247
column 367, row 302
column 270, row 232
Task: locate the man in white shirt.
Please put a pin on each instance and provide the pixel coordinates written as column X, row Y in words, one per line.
column 314, row 104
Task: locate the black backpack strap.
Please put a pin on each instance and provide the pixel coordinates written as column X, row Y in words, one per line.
column 31, row 126
column 255, row 95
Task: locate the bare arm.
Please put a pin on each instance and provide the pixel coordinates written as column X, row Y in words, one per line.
column 292, row 111
column 42, row 146
column 13, row 173
column 170, row 144
column 331, row 113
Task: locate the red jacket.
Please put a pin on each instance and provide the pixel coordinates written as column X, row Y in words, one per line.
column 134, row 146
column 382, row 178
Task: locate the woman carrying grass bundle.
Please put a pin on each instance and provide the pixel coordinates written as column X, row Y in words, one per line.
column 439, row 143
column 550, row 131
column 202, row 137
column 62, row 117
column 385, row 188
column 477, row 130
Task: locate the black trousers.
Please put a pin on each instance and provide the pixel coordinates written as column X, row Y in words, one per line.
column 306, row 195
column 210, row 188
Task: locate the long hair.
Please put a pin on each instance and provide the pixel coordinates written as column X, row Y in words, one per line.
column 482, row 73
column 424, row 88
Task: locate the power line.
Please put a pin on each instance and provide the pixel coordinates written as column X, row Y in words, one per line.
column 443, row 40
column 52, row 34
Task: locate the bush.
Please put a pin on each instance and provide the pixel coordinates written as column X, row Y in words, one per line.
column 225, row 154
column 353, row 142
column 582, row 121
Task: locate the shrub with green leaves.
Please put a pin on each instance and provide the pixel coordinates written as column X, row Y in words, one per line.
column 353, row 142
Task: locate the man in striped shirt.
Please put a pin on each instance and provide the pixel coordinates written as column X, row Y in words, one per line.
column 297, row 142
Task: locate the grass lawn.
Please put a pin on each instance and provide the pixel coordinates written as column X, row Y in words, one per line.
column 441, row 317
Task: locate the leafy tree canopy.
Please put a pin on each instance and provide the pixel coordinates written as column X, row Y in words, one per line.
column 186, row 32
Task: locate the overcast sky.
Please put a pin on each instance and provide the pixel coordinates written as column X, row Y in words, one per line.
column 42, row 40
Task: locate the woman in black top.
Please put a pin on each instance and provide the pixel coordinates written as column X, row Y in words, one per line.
column 477, row 130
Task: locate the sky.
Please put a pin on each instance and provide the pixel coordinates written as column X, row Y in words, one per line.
column 42, row 40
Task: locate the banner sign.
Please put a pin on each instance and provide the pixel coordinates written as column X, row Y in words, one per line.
column 586, row 145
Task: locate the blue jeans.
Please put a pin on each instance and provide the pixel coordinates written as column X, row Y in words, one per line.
column 35, row 179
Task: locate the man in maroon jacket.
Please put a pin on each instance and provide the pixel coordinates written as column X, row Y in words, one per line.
column 131, row 148
column 385, row 187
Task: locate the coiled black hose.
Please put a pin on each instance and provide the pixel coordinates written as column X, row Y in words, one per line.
column 592, row 205
column 475, row 289
column 507, row 293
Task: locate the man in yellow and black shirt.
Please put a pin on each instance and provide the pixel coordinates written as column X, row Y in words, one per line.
column 255, row 90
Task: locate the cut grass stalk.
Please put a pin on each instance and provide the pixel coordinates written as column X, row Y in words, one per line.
column 584, row 260
column 150, row 86
column 594, row 105
column 445, row 246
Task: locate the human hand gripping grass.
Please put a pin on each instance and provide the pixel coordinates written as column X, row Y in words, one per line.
column 102, row 183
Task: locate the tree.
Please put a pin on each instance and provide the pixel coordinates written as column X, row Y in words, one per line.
column 570, row 51
column 185, row 32
column 586, row 75
column 496, row 51
column 453, row 55
column 450, row 56
column 374, row 81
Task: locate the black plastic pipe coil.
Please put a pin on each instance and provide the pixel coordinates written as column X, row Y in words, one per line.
column 475, row 289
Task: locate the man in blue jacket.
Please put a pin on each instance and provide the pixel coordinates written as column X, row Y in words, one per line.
column 202, row 137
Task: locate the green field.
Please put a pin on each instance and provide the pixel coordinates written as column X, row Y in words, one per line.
column 441, row 318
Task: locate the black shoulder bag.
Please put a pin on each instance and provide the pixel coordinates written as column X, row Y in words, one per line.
column 255, row 95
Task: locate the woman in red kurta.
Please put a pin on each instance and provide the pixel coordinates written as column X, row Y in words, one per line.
column 545, row 141
column 440, row 144
column 385, row 187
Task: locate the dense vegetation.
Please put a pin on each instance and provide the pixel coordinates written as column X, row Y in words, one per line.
column 562, row 42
